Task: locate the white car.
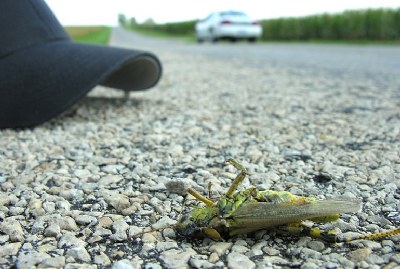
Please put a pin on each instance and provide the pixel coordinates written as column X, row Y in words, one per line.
column 230, row 25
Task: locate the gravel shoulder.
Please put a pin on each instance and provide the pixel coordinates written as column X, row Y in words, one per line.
column 74, row 191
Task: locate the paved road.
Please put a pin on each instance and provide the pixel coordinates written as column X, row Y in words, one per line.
column 379, row 63
column 315, row 120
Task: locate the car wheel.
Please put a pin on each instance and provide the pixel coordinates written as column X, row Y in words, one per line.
column 252, row 39
column 213, row 38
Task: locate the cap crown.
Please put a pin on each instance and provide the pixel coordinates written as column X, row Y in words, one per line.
column 24, row 23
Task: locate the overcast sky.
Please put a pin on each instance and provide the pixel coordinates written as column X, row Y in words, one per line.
column 105, row 12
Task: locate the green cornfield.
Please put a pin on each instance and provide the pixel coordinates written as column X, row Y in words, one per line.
column 370, row 24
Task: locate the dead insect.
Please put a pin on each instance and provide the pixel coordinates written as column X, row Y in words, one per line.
column 250, row 210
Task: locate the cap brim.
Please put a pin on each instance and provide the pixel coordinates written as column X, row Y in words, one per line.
column 40, row 82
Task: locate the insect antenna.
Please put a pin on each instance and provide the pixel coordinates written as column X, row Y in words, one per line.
column 370, row 236
column 155, row 230
column 192, row 192
column 173, row 227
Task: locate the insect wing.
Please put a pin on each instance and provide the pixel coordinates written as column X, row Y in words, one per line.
column 266, row 215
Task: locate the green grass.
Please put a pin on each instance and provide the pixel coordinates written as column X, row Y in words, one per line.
column 162, row 34
column 90, row 34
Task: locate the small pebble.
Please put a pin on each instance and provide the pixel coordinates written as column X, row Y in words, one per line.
column 220, row 248
column 4, row 199
column 85, row 220
column 13, row 229
column 316, row 245
column 53, row 230
column 120, row 228
column 77, row 254
column 238, row 260
column 359, row 255
column 176, row 258
column 68, row 240
column 10, row 249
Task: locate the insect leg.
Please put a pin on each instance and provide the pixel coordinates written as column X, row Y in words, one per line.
column 209, row 189
column 300, row 229
column 214, row 234
column 239, row 178
column 200, row 197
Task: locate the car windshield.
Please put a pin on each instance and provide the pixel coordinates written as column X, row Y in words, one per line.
column 233, row 13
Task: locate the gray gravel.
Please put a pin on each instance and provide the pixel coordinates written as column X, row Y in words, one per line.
column 76, row 190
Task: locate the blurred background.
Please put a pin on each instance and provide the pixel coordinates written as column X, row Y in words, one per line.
column 311, row 20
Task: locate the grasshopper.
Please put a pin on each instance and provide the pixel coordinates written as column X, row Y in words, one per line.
column 250, row 210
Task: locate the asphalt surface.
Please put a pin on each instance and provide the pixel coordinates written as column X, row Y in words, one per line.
column 316, row 120
column 376, row 62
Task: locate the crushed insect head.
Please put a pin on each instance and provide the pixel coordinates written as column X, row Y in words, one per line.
column 187, row 227
column 198, row 222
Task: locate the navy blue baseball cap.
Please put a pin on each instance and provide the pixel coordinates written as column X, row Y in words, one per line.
column 43, row 72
